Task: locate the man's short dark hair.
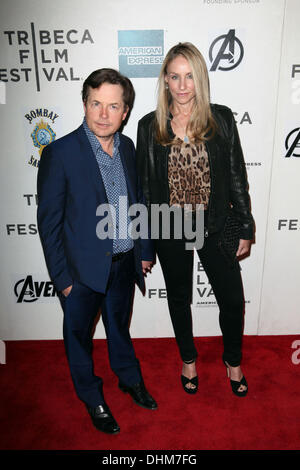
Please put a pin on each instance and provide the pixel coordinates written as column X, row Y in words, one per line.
column 100, row 76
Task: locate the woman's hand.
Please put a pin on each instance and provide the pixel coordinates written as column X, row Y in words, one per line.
column 244, row 247
column 147, row 266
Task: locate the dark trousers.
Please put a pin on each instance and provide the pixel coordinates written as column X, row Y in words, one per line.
column 80, row 308
column 177, row 266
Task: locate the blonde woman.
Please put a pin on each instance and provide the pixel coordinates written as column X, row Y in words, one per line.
column 189, row 153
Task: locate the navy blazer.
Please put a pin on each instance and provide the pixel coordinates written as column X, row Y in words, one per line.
column 70, row 188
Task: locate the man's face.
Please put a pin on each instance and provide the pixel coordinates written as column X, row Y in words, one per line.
column 105, row 110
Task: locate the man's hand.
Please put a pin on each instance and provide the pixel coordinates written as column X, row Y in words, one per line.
column 244, row 247
column 147, row 266
column 67, row 291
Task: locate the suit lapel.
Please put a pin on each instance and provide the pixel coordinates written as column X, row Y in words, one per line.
column 90, row 163
column 128, row 171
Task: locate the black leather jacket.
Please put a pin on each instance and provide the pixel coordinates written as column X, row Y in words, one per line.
column 229, row 186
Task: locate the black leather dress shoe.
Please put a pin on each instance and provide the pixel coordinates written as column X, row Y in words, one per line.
column 103, row 420
column 140, row 395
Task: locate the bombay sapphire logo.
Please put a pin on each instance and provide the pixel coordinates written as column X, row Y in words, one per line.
column 40, row 126
column 42, row 135
column 141, row 52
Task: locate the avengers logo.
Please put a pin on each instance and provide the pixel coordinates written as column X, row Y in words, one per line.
column 28, row 290
column 292, row 143
column 226, row 52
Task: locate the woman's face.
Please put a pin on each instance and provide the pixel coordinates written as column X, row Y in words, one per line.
column 180, row 81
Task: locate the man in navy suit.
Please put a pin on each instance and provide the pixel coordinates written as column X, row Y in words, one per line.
column 92, row 166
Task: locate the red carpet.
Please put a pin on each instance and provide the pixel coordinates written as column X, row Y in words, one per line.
column 39, row 409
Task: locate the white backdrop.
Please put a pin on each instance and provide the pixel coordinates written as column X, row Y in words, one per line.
column 251, row 50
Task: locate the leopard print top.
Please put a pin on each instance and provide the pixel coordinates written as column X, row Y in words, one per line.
column 189, row 174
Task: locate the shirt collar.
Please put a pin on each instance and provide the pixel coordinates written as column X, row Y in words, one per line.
column 96, row 145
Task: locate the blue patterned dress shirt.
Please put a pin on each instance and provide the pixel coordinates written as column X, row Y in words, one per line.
column 112, row 172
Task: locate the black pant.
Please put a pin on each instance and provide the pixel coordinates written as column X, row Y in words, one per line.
column 177, row 266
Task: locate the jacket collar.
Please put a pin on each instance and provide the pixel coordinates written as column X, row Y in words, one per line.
column 90, row 162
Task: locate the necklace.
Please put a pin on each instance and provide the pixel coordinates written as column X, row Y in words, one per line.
column 183, row 130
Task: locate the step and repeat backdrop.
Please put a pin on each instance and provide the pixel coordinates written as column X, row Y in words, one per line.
column 251, row 48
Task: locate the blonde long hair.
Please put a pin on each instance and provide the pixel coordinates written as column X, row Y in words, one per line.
column 201, row 126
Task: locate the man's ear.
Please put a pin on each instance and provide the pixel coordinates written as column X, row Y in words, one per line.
column 126, row 109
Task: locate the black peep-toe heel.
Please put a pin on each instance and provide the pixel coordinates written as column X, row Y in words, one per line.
column 235, row 384
column 185, row 381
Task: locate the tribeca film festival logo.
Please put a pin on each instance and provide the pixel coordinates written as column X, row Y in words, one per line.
column 288, row 224
column 40, row 131
column 46, row 50
column 20, row 228
column 226, row 52
column 30, row 290
column 203, row 295
column 141, row 52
